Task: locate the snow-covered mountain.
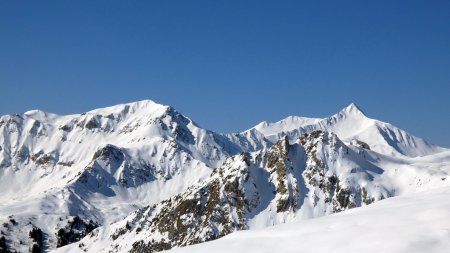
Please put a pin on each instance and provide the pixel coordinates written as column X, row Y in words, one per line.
column 150, row 178
column 78, row 166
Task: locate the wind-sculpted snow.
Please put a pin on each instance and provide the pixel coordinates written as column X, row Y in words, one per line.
column 94, row 169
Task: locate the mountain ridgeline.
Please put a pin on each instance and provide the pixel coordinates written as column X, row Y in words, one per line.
column 141, row 177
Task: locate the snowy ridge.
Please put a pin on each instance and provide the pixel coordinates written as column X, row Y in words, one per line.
column 63, row 176
column 285, row 125
column 351, row 123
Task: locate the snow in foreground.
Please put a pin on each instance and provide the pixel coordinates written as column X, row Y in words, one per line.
column 413, row 223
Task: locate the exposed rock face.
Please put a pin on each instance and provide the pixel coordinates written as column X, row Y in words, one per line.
column 92, row 123
column 280, row 167
column 274, row 182
column 22, row 155
column 42, row 159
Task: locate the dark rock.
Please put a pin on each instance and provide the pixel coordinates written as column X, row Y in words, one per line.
column 109, row 152
column 13, row 221
column 35, row 248
column 37, row 236
column 3, row 246
column 74, row 231
column 92, row 123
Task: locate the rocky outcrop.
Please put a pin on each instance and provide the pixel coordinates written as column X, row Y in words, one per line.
column 281, row 168
column 360, row 144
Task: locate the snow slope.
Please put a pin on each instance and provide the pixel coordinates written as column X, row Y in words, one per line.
column 413, row 223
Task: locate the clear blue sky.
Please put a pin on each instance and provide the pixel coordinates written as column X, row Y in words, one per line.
column 231, row 64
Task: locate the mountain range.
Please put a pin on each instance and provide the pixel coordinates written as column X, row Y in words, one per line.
column 142, row 177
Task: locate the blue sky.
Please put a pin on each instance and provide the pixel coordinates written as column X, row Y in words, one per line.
column 231, row 64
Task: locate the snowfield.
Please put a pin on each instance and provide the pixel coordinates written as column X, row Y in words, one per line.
column 412, row 223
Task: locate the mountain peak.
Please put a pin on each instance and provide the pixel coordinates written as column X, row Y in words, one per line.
column 352, row 109
column 147, row 105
